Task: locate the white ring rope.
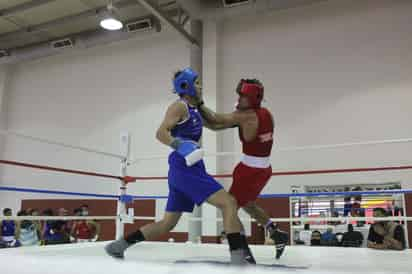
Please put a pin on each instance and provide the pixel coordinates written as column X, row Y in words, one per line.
column 46, row 141
column 286, row 149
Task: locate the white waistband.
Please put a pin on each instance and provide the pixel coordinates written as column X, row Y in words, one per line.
column 258, row 162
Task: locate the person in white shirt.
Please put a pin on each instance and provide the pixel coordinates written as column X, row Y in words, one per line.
column 305, row 235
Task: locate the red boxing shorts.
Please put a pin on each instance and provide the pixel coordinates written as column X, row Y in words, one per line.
column 248, row 182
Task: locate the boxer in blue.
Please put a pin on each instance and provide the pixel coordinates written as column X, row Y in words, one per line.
column 189, row 183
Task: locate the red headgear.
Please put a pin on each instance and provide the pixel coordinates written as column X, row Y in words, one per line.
column 253, row 91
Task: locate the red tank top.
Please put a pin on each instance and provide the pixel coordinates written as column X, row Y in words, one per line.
column 261, row 146
column 83, row 231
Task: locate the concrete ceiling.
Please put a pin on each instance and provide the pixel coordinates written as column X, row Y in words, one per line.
column 27, row 26
column 27, row 22
column 214, row 10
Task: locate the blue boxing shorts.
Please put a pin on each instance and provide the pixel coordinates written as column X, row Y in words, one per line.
column 188, row 185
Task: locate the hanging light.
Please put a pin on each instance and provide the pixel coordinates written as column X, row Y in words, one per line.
column 109, row 20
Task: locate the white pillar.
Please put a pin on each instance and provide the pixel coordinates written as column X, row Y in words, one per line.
column 211, row 89
column 3, row 121
column 3, row 110
column 195, row 226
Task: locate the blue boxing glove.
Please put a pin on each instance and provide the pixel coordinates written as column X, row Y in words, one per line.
column 190, row 150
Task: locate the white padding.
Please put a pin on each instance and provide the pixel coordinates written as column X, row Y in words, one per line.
column 194, row 157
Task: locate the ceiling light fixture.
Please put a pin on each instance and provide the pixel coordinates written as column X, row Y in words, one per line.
column 109, row 20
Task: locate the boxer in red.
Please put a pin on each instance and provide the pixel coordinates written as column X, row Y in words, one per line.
column 250, row 176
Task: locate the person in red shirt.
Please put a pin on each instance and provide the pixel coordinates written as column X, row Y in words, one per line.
column 250, row 176
column 84, row 230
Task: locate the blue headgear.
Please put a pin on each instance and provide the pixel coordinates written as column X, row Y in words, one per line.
column 185, row 82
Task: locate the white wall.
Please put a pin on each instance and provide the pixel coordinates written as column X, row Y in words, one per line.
column 87, row 98
column 334, row 72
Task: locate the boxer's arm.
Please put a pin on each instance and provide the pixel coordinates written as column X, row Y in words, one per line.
column 214, row 127
column 175, row 113
column 217, row 121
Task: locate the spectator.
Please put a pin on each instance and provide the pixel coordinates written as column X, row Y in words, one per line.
column 315, row 238
column 339, row 238
column 35, row 212
column 222, row 238
column 347, row 200
column 53, row 231
column 305, row 235
column 66, row 226
column 29, row 231
column 357, row 210
column 84, row 209
column 77, row 212
column 46, row 233
column 84, row 230
column 62, row 212
column 352, row 238
column 9, row 231
column 386, row 235
column 328, row 238
column 397, row 204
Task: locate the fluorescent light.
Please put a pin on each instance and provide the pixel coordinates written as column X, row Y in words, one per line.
column 111, row 23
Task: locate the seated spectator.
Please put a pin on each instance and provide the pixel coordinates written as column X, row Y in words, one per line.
column 328, row 238
column 29, row 231
column 347, row 203
column 84, row 210
column 305, row 235
column 9, row 231
column 339, row 238
column 66, row 226
column 315, row 238
column 62, row 212
column 397, row 204
column 357, row 210
column 386, row 235
column 352, row 238
column 53, row 231
column 35, row 212
column 222, row 238
column 84, row 230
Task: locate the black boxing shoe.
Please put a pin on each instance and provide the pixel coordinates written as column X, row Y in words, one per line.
column 249, row 256
column 280, row 238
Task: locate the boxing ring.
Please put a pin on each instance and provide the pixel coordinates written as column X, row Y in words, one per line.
column 187, row 257
column 168, row 258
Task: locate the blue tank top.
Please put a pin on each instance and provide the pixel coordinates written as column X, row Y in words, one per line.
column 191, row 128
column 51, row 235
column 8, row 228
